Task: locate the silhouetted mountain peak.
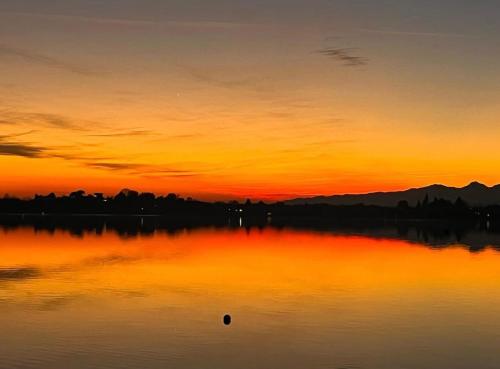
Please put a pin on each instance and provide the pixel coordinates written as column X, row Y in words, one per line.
column 475, row 186
column 474, row 194
column 432, row 187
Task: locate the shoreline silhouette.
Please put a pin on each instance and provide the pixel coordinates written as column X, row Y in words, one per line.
column 130, row 202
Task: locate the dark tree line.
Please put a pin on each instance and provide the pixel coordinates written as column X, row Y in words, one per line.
column 129, row 202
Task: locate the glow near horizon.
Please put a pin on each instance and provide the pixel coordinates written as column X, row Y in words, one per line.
column 233, row 100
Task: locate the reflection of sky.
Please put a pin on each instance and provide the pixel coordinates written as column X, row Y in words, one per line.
column 299, row 299
column 235, row 98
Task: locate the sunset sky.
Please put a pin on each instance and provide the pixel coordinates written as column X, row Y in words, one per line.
column 267, row 99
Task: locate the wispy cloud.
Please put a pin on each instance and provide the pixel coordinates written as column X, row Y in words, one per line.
column 78, row 157
column 130, row 22
column 15, row 135
column 10, row 147
column 411, row 33
column 40, row 59
column 141, row 169
column 12, row 117
column 131, row 133
column 113, row 166
column 205, row 76
column 344, row 56
column 19, row 149
column 186, row 136
column 33, row 151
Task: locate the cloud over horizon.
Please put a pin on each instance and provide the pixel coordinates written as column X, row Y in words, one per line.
column 141, row 169
column 11, row 146
column 24, row 150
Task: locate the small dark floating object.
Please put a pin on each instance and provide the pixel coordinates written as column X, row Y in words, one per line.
column 227, row 319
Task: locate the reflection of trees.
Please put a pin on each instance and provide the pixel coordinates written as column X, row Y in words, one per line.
column 437, row 234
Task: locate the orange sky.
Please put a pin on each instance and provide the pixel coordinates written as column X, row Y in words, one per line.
column 222, row 102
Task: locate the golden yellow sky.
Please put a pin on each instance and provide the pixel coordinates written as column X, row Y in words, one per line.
column 273, row 101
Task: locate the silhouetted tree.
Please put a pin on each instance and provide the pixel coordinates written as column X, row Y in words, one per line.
column 425, row 203
column 403, row 204
column 77, row 194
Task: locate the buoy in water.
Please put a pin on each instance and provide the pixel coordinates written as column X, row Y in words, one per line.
column 227, row 319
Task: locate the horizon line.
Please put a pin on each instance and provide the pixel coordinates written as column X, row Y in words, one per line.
column 232, row 197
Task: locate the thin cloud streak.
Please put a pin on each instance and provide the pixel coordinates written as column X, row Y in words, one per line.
column 19, row 149
column 8, row 147
column 409, row 33
column 113, row 166
column 47, row 61
column 39, row 119
column 206, row 77
column 14, row 135
column 144, row 170
column 132, row 133
column 23, row 149
column 344, row 56
column 127, row 22
column 172, row 175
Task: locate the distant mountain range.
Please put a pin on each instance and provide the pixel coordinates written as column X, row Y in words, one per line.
column 476, row 194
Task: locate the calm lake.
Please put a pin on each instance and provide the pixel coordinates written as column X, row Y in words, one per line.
column 297, row 298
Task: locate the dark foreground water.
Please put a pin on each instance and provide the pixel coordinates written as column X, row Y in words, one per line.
column 298, row 299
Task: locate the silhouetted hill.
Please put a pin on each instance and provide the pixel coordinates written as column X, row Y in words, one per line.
column 475, row 194
column 428, row 203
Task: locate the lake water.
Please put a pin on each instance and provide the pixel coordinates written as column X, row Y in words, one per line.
column 298, row 299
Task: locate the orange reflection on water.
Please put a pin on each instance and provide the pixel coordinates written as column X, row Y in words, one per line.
column 235, row 261
column 300, row 299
